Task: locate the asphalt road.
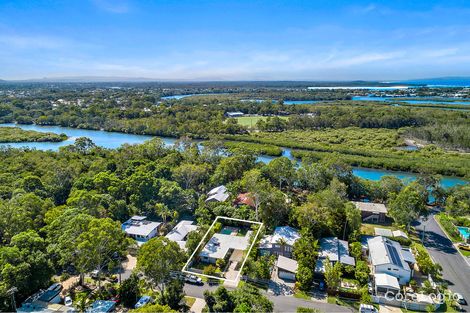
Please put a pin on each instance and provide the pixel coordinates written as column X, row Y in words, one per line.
column 281, row 303
column 455, row 271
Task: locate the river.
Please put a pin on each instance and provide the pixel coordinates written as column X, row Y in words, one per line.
column 112, row 140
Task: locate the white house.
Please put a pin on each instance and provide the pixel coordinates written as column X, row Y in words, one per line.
column 388, row 257
column 218, row 194
column 335, row 250
column 180, row 231
column 42, row 299
column 220, row 245
column 286, row 268
column 139, row 228
column 280, row 242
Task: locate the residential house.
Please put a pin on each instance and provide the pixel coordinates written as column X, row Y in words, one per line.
column 281, row 242
column 139, row 228
column 335, row 250
column 372, row 212
column 244, row 199
column 234, row 114
column 218, row 194
column 179, row 233
column 286, row 268
column 388, row 257
column 42, row 299
column 223, row 246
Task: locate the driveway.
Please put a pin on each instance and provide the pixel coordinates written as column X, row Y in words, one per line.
column 455, row 269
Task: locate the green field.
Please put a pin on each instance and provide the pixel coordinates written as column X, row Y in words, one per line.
column 250, row 121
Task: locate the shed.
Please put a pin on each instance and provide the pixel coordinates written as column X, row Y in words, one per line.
column 386, row 283
column 287, row 268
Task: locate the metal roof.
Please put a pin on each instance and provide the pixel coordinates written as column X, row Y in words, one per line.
column 386, row 281
column 287, row 264
column 385, row 251
column 371, row 207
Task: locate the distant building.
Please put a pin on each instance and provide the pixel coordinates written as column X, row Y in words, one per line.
column 335, row 250
column 280, row 242
column 139, row 228
column 286, row 268
column 221, row 245
column 218, row 194
column 372, row 212
column 388, row 257
column 179, row 233
column 234, row 114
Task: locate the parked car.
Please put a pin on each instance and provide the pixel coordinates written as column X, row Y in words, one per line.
column 68, row 301
column 94, row 274
column 367, row 308
column 116, row 299
column 193, row 279
column 460, row 299
column 142, row 301
column 464, row 246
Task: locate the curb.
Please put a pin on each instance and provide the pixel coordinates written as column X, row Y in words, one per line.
column 453, row 244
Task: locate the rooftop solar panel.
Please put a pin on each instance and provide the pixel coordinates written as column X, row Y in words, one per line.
column 394, row 255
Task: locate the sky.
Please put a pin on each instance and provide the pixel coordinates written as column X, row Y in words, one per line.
column 235, row 40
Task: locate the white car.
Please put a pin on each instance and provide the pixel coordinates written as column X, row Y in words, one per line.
column 367, row 308
column 460, row 299
column 68, row 301
column 193, row 279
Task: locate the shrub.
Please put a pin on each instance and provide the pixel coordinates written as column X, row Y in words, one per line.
column 209, row 270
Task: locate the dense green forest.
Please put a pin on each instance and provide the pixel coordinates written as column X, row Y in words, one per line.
column 52, row 202
column 14, row 134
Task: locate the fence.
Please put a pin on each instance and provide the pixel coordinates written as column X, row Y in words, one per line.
column 406, row 304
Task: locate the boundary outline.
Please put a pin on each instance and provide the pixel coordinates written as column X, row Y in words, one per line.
column 184, row 270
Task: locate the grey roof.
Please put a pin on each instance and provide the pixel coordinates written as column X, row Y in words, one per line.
column 386, row 281
column 219, row 244
column 181, row 230
column 289, row 234
column 371, row 207
column 336, row 250
column 385, row 251
column 287, row 264
column 408, row 256
column 383, row 232
column 219, row 194
column 139, row 226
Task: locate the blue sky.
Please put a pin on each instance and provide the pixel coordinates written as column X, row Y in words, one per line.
column 235, row 40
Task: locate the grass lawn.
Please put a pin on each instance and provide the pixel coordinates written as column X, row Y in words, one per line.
column 301, row 295
column 354, row 305
column 250, row 121
column 368, row 229
column 465, row 253
column 189, row 301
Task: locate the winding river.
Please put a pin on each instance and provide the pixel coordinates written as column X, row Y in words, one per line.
column 114, row 140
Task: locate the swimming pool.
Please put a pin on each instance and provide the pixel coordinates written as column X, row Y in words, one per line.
column 464, row 231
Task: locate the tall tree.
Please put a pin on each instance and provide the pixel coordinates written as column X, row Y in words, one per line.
column 158, row 258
